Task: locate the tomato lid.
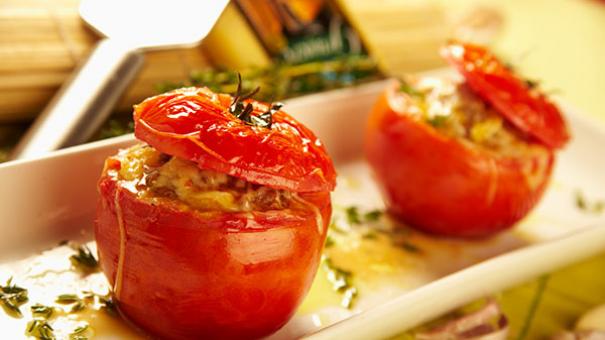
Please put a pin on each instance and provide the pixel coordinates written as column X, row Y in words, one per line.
column 197, row 124
column 522, row 105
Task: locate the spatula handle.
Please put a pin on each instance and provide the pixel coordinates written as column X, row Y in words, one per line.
column 84, row 102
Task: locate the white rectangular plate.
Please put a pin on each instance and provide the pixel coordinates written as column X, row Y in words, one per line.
column 53, row 198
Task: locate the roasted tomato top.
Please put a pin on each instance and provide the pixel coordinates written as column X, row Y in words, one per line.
column 196, row 124
column 521, row 104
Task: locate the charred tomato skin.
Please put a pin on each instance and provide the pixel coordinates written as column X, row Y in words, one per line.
column 446, row 186
column 186, row 274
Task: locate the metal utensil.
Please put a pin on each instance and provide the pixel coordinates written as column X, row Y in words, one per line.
column 129, row 26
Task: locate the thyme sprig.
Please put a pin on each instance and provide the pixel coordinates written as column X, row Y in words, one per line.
column 84, row 259
column 342, row 282
column 12, row 297
column 244, row 111
column 237, row 107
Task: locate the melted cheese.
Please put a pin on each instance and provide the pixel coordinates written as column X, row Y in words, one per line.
column 117, row 288
column 155, row 176
column 455, row 111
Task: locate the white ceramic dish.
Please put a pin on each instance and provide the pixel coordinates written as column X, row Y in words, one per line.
column 53, row 198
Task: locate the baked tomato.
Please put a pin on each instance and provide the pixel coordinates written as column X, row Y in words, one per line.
column 215, row 229
column 448, row 163
column 517, row 100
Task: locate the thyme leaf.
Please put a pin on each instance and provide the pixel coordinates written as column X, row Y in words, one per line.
column 341, row 281
column 329, row 242
column 77, row 303
column 40, row 329
column 407, row 88
column 84, row 259
column 42, row 311
column 245, row 111
column 353, row 217
column 583, row 204
column 12, row 297
column 372, row 216
column 67, row 299
column 409, row 247
column 79, row 333
column 437, row 120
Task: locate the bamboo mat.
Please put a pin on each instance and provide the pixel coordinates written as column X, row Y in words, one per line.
column 41, row 42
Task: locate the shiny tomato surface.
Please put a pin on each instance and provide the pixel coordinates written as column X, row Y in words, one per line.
column 195, row 124
column 524, row 106
column 182, row 273
column 444, row 185
column 187, row 274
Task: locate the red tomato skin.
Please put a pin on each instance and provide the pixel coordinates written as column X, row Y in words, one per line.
column 195, row 124
column 444, row 186
column 193, row 275
column 527, row 109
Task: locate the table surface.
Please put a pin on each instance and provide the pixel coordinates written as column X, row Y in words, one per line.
column 561, row 43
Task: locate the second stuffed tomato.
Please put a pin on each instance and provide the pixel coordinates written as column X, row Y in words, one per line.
column 463, row 157
column 214, row 229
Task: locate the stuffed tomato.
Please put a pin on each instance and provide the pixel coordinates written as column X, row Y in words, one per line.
column 463, row 157
column 214, row 228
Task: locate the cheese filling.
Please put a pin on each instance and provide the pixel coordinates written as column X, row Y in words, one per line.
column 456, row 111
column 155, row 176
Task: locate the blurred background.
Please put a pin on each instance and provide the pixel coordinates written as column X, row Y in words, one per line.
column 294, row 47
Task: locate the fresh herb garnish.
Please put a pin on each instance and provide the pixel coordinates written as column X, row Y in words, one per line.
column 79, row 333
column 336, row 227
column 67, row 299
column 533, row 307
column 341, row 281
column 407, row 246
column 329, row 242
column 106, row 302
column 40, row 329
column 237, row 107
column 244, row 111
column 265, row 119
column 437, row 120
column 84, row 259
column 42, row 311
column 372, row 216
column 77, row 303
column 12, row 297
column 353, row 215
column 281, row 81
column 370, row 235
column 532, row 84
column 407, row 88
column 582, row 203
